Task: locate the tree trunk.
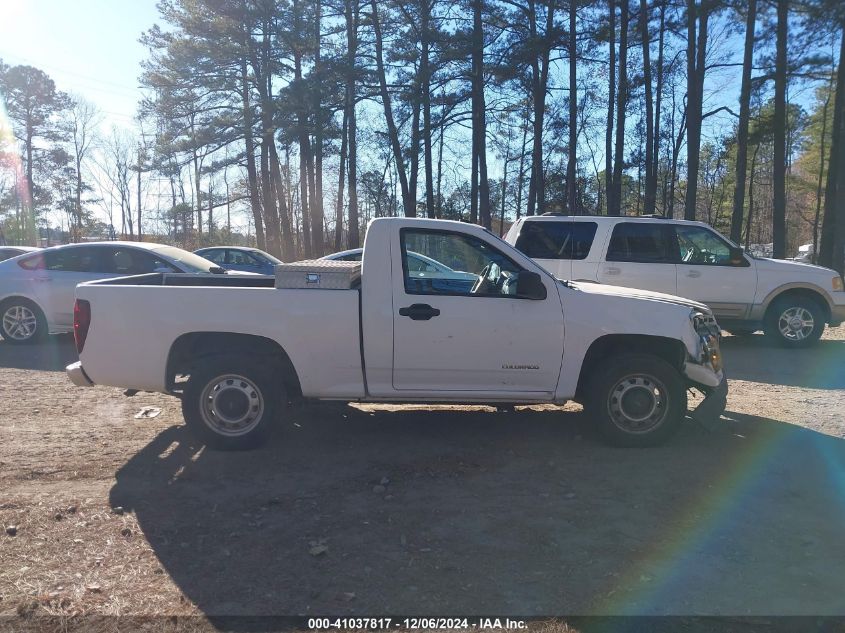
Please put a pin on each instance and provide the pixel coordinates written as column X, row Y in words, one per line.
column 252, row 176
column 650, row 197
column 425, row 80
column 612, row 209
column 832, row 243
column 696, row 52
column 408, row 203
column 820, row 181
column 351, row 10
column 341, row 180
column 539, row 84
column 571, row 184
column 479, row 127
column 621, row 106
column 317, row 240
column 780, row 124
column 655, row 156
column 742, row 129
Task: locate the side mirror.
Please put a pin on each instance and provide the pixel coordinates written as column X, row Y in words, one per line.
column 737, row 257
column 529, row 285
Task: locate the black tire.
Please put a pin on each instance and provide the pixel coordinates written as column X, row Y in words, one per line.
column 252, row 394
column 626, row 381
column 782, row 320
column 26, row 309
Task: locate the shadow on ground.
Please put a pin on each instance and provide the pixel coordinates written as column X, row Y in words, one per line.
column 439, row 512
column 52, row 354
column 757, row 359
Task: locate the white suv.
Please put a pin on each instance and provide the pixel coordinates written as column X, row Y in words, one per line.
column 791, row 302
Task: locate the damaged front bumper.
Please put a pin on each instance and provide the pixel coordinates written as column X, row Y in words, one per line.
column 715, row 400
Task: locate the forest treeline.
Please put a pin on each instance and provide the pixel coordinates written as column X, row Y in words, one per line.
column 312, row 117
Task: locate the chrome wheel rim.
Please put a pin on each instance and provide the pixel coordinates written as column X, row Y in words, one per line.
column 796, row 323
column 638, row 403
column 19, row 323
column 231, row 405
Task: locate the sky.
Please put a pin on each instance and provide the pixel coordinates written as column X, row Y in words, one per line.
column 88, row 47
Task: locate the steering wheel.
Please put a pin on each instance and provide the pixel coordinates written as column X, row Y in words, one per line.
column 482, row 281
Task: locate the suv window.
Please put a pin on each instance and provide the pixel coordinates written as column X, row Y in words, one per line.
column 463, row 265
column 642, row 242
column 556, row 240
column 702, row 246
column 83, row 259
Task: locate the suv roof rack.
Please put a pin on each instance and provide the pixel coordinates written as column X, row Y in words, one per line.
column 553, row 213
column 657, row 216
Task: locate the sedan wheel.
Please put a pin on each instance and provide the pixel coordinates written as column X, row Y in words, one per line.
column 21, row 323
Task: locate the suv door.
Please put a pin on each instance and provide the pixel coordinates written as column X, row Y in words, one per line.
column 641, row 255
column 451, row 336
column 707, row 274
column 559, row 246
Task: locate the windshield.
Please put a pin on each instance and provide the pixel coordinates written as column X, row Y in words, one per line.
column 190, row 262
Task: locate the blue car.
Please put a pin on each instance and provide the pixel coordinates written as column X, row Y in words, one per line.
column 243, row 258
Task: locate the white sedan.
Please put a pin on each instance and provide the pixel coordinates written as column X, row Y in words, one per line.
column 37, row 289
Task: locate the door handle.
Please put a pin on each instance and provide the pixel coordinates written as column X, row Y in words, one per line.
column 693, row 273
column 612, row 270
column 419, row 312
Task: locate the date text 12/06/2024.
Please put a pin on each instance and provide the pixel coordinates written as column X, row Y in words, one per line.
column 415, row 623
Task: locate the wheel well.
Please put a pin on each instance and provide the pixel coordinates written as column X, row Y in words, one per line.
column 669, row 349
column 19, row 299
column 804, row 293
column 191, row 348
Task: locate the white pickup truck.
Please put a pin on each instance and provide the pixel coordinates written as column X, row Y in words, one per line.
column 238, row 350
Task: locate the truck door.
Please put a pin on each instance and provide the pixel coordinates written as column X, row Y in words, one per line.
column 464, row 329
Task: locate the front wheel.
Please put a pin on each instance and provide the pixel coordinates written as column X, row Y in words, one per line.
column 635, row 400
column 231, row 404
column 795, row 322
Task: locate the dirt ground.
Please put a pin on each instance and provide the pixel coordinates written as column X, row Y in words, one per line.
column 381, row 509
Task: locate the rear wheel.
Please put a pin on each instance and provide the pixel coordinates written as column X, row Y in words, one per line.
column 22, row 322
column 635, row 400
column 231, row 403
column 795, row 321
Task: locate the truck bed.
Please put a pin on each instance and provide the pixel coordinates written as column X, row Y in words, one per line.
column 136, row 320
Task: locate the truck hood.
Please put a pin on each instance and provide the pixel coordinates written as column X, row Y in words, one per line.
column 795, row 268
column 636, row 293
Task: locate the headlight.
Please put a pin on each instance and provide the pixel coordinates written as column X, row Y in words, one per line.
column 711, row 354
column 838, row 285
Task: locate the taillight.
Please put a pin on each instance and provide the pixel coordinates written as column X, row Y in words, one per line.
column 81, row 323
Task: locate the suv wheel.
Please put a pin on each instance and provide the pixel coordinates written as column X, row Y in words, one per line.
column 795, row 321
column 231, row 403
column 635, row 400
column 22, row 322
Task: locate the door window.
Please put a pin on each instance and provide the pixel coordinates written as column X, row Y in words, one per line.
column 132, row 261
column 240, row 258
column 216, row 255
column 556, row 240
column 699, row 245
column 75, row 260
column 642, row 242
column 459, row 265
